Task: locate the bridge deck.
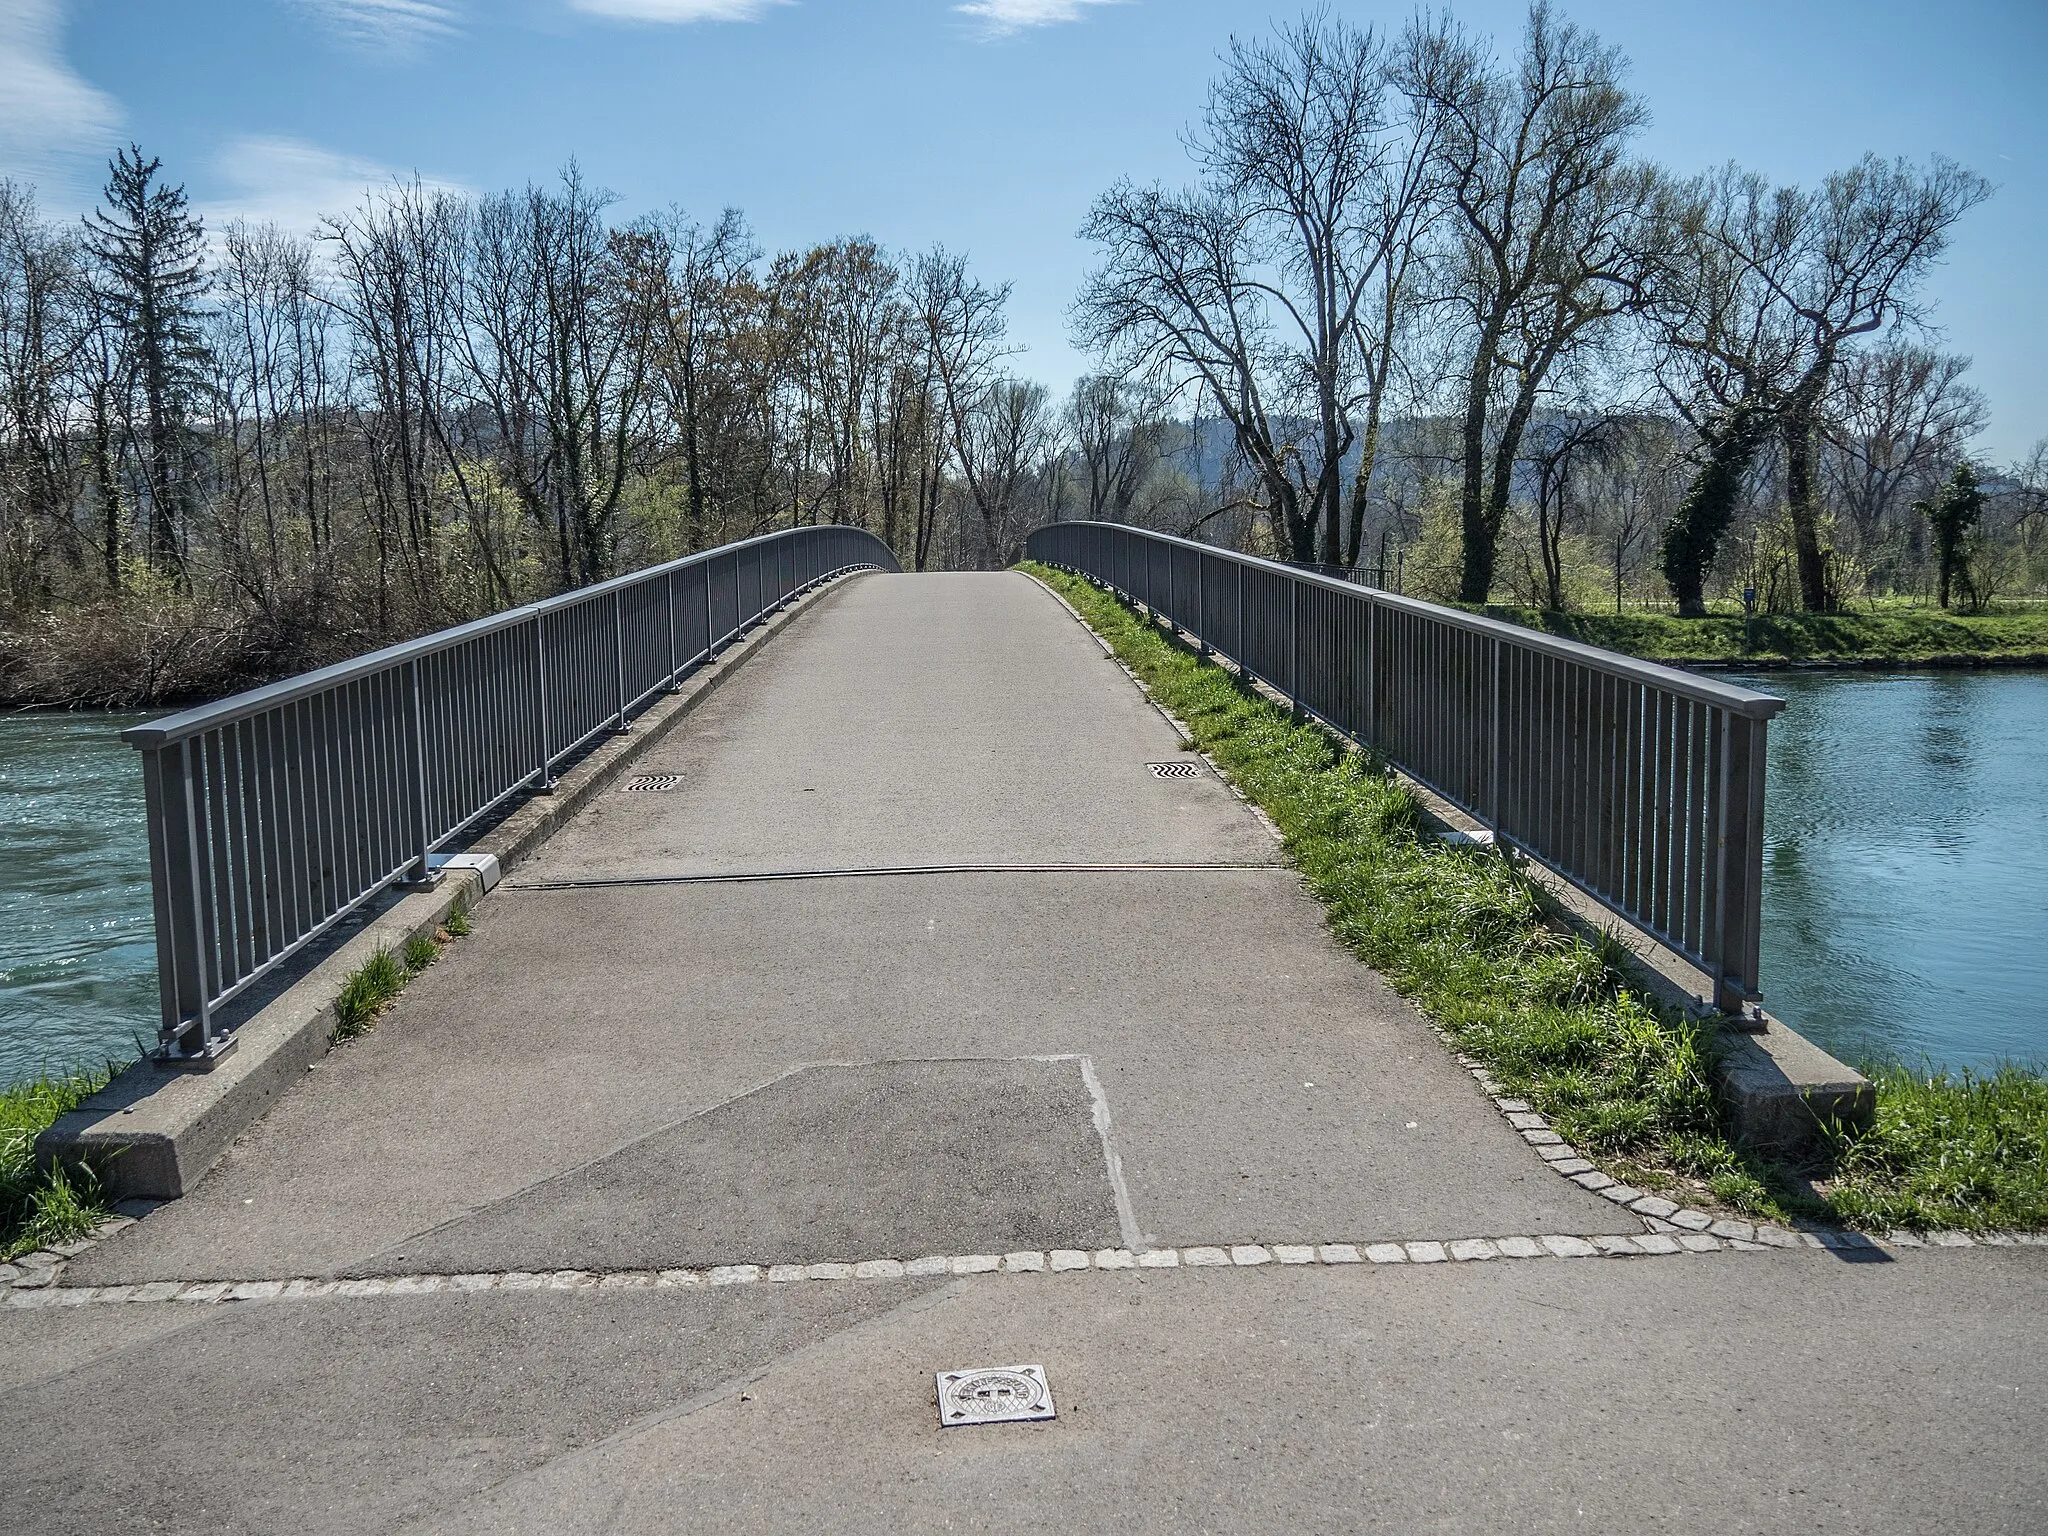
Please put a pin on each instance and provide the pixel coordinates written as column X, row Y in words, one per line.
column 631, row 1066
column 1261, row 1085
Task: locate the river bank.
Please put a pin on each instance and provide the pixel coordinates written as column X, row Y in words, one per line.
column 1881, row 640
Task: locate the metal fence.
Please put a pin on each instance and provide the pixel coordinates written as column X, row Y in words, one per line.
column 275, row 813
column 1641, row 785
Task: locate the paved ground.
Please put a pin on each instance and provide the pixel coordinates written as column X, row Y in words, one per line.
column 973, row 1042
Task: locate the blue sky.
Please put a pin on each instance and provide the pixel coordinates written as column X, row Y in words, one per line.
column 988, row 125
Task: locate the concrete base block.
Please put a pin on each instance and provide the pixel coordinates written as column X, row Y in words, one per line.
column 1778, row 1087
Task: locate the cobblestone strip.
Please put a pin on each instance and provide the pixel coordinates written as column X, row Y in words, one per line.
column 36, row 1281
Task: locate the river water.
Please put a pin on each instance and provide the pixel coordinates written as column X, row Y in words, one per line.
column 1905, row 882
column 1906, row 864
column 77, row 945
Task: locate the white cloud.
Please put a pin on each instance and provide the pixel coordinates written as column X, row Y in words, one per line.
column 290, row 183
column 391, row 25
column 1000, row 18
column 677, row 11
column 55, row 129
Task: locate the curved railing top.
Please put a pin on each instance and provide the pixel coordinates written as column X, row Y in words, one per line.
column 203, row 717
column 1729, row 696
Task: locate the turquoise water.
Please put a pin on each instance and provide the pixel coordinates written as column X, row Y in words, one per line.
column 77, row 946
column 1906, row 864
column 1905, row 879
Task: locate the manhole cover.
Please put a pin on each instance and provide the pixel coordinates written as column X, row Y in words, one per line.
column 1181, row 770
column 654, row 783
column 997, row 1394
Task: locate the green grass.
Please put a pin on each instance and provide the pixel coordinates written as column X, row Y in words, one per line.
column 1887, row 636
column 38, row 1209
column 1474, row 943
column 373, row 985
column 1948, row 1150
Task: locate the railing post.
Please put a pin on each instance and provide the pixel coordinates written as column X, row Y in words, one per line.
column 668, row 588
column 182, row 921
column 619, row 653
column 1201, row 607
column 1493, row 745
column 1294, row 646
column 201, row 914
column 1372, row 672
column 422, row 874
column 543, row 783
column 1738, row 851
column 1243, row 646
column 710, row 627
column 187, row 988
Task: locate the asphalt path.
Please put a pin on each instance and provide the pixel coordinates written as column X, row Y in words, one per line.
column 922, row 956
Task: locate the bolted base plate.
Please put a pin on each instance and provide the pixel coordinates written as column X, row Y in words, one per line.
column 165, row 1059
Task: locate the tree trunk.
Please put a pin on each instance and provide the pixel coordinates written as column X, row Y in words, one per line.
column 1693, row 536
column 1475, row 578
column 103, row 483
column 1798, row 433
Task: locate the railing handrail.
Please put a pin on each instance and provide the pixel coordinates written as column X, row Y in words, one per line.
column 1731, row 696
column 205, row 717
column 1642, row 785
column 275, row 813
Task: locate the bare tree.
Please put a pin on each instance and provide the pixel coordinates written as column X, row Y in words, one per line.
column 1757, row 311
column 1557, row 234
column 1275, row 289
column 963, row 330
column 1868, row 236
column 45, row 331
column 1898, row 418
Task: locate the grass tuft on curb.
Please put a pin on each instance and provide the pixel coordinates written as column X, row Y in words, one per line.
column 376, row 983
column 1471, row 940
column 39, row 1208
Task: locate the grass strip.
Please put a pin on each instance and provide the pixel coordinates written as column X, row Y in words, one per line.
column 1884, row 638
column 41, row 1208
column 1475, row 944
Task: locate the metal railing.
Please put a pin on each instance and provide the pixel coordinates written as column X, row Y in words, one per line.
column 1641, row 785
column 275, row 813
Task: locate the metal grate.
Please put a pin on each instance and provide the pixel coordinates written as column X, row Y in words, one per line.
column 654, row 783
column 1181, row 770
column 1001, row 1394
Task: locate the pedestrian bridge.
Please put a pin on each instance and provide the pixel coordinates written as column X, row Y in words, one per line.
column 870, row 1008
column 276, row 814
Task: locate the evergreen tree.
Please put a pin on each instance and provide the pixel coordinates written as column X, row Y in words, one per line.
column 1954, row 512
column 150, row 249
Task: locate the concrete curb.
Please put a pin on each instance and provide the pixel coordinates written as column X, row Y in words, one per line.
column 152, row 1134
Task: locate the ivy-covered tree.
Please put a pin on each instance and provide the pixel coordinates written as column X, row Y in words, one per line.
column 150, row 252
column 1954, row 512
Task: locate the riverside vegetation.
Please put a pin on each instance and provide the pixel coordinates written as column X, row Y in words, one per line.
column 40, row 1207
column 1422, row 305
column 1476, row 944
column 1889, row 635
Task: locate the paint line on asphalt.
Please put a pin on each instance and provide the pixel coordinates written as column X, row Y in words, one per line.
column 759, row 877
